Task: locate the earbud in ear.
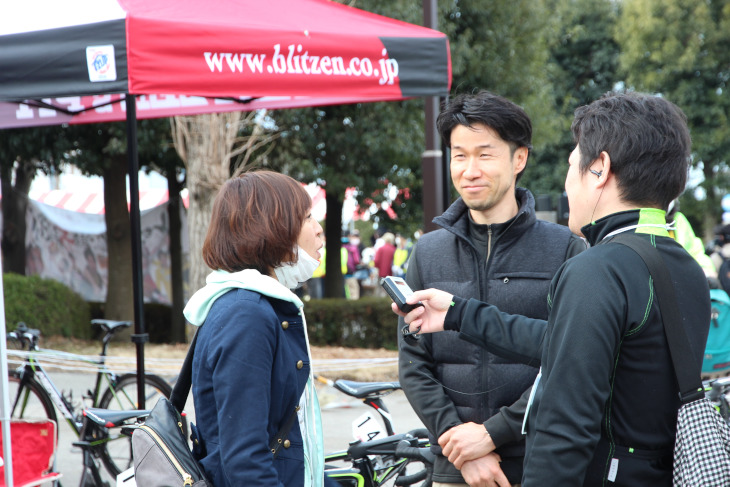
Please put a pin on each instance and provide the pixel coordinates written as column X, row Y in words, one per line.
column 597, row 173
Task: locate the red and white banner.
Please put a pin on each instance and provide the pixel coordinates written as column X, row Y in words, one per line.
column 93, row 203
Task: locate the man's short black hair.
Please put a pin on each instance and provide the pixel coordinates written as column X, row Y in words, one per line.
column 648, row 141
column 506, row 118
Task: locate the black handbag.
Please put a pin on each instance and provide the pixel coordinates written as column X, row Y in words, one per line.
column 160, row 451
column 161, row 454
column 702, row 445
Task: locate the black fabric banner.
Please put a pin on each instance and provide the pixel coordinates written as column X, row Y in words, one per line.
column 53, row 62
column 417, row 59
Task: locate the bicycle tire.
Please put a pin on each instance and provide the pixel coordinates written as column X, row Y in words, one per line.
column 116, row 451
column 36, row 404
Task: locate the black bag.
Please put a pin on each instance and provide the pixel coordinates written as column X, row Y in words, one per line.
column 161, row 454
column 702, row 446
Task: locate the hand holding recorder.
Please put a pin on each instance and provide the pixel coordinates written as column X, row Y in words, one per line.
column 423, row 310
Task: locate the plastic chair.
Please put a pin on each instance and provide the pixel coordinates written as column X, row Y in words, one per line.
column 34, row 450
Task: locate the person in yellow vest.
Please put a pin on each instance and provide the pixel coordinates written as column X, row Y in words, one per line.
column 400, row 257
column 316, row 283
column 343, row 265
column 684, row 235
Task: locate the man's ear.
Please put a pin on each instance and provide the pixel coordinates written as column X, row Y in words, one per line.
column 602, row 165
column 519, row 159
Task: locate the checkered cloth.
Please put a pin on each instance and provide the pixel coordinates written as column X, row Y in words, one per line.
column 702, row 448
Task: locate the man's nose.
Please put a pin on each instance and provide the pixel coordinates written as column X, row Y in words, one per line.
column 472, row 169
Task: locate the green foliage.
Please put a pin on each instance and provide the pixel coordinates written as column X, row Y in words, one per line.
column 363, row 323
column 502, row 46
column 583, row 66
column 366, row 146
column 41, row 148
column 156, row 149
column 679, row 48
column 46, row 305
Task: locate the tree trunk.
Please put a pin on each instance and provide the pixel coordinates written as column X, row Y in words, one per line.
column 712, row 201
column 14, row 207
column 208, row 144
column 334, row 282
column 199, row 210
column 177, row 322
column 205, row 144
column 119, row 294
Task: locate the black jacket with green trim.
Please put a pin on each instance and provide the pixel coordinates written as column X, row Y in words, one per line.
column 605, row 406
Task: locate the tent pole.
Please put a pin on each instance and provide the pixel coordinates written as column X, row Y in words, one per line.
column 435, row 176
column 6, row 452
column 140, row 336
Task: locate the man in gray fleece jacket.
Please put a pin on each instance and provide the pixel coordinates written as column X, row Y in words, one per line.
column 491, row 247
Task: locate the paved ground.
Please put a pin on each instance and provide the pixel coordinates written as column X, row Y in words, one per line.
column 338, row 413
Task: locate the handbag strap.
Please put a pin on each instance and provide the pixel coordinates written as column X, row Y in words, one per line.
column 276, row 443
column 180, row 392
column 690, row 384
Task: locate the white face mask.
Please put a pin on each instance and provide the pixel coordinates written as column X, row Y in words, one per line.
column 294, row 275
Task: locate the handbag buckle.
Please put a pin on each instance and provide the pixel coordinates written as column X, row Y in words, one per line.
column 691, row 396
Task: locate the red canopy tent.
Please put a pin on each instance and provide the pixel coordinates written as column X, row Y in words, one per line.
column 273, row 54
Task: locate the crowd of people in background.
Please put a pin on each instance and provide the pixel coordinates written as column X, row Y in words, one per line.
column 364, row 265
column 388, row 255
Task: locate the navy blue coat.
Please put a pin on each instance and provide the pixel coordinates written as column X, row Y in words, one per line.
column 249, row 371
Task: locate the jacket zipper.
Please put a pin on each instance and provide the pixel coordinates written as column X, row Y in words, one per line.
column 187, row 478
column 489, row 241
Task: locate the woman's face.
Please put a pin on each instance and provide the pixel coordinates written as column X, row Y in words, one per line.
column 310, row 237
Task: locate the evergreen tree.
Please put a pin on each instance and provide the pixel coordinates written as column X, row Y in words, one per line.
column 679, row 49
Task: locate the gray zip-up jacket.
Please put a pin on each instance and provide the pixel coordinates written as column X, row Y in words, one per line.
column 449, row 381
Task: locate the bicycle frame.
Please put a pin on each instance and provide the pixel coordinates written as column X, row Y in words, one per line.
column 373, row 463
column 32, row 368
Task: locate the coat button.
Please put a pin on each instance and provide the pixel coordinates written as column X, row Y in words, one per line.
column 287, row 443
column 285, row 324
column 300, row 364
column 506, row 280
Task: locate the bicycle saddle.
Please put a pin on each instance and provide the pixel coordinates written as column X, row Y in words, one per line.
column 109, row 418
column 109, row 325
column 365, row 389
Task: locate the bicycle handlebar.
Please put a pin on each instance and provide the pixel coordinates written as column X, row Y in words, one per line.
column 28, row 337
column 405, row 450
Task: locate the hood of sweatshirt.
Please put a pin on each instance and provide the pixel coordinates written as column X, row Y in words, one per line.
column 220, row 282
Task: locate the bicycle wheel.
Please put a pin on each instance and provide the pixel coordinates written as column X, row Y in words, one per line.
column 116, row 451
column 29, row 400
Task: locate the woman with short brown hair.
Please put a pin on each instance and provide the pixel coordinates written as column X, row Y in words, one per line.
column 251, row 369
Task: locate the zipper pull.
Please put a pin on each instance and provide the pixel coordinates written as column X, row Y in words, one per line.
column 187, row 479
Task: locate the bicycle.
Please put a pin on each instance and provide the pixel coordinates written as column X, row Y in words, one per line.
column 717, row 391
column 94, row 420
column 33, row 394
column 405, row 458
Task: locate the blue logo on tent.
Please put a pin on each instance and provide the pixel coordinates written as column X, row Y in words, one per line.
column 101, row 62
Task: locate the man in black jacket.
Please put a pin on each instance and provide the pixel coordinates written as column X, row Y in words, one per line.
column 491, row 247
column 604, row 409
